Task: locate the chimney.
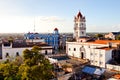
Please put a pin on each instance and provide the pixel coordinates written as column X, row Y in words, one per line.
column 110, row 45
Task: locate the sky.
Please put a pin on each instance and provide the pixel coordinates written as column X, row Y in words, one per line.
column 20, row 16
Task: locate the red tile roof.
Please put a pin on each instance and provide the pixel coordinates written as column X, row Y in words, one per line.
column 104, row 41
column 117, row 76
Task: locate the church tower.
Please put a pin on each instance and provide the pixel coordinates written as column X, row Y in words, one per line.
column 79, row 26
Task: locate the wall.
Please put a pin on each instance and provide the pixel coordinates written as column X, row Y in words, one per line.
column 97, row 57
column 12, row 51
column 35, row 40
column 108, row 56
column 113, row 67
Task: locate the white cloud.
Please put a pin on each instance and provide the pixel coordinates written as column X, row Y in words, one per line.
column 51, row 18
column 15, row 24
column 116, row 27
column 26, row 23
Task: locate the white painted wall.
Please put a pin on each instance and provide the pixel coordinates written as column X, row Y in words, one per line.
column 35, row 40
column 108, row 55
column 113, row 67
column 12, row 51
column 97, row 57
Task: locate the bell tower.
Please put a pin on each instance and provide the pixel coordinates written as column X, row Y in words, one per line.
column 79, row 26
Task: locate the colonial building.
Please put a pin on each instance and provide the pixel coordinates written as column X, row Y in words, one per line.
column 98, row 52
column 11, row 50
column 51, row 39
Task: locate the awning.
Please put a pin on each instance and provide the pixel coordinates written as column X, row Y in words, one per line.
column 93, row 70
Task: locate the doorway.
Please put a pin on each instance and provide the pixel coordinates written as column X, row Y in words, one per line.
column 82, row 55
column 46, row 52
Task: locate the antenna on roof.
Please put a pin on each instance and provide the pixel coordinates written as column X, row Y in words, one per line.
column 34, row 25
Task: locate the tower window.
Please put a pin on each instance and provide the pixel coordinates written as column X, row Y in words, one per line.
column 74, row 49
column 101, row 55
column 91, row 54
column 69, row 49
column 76, row 24
column 82, row 32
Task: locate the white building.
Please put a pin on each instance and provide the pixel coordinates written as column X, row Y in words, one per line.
column 35, row 40
column 14, row 49
column 98, row 52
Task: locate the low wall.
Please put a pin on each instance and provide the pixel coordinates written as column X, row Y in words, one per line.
column 113, row 67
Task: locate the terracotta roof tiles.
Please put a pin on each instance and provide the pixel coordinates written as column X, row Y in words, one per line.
column 104, row 41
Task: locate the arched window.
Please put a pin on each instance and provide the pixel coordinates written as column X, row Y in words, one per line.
column 17, row 54
column 46, row 52
column 7, row 55
column 74, row 49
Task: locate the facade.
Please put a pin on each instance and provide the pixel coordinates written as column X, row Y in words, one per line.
column 51, row 39
column 98, row 52
column 11, row 50
column 79, row 26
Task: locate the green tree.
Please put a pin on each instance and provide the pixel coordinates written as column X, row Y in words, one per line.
column 8, row 71
column 118, row 37
column 35, row 66
column 99, row 35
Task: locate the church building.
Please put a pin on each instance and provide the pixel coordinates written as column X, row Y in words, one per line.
column 51, row 39
column 97, row 52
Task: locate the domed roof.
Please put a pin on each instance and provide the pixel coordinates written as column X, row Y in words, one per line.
column 56, row 29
